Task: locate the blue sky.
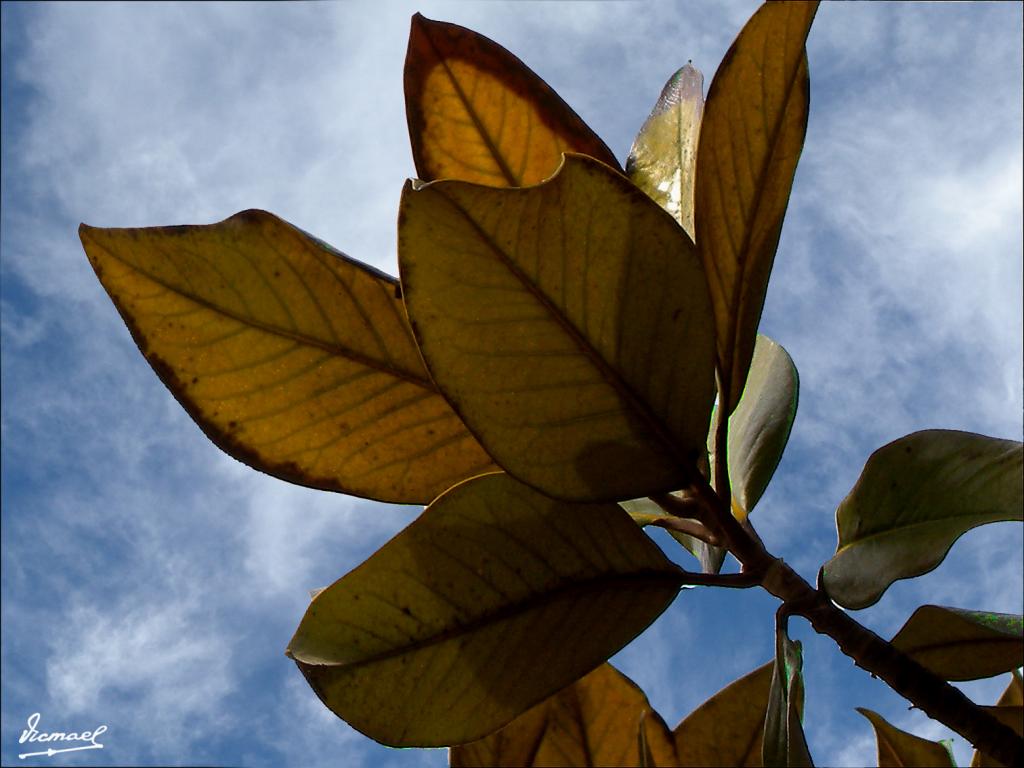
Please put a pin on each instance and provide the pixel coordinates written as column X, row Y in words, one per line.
column 151, row 583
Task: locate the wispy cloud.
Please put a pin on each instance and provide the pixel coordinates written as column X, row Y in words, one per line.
column 168, row 577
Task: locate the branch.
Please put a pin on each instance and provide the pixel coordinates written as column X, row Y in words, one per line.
column 929, row 693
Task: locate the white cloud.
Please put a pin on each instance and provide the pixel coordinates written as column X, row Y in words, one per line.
column 181, row 572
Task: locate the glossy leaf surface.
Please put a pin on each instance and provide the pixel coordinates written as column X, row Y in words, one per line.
column 914, row 498
column 727, row 729
column 289, row 355
column 593, row 722
column 759, row 427
column 663, row 159
column 784, row 743
column 899, row 749
column 477, row 113
column 1010, row 711
column 493, row 599
column 568, row 324
column 957, row 644
column 751, row 137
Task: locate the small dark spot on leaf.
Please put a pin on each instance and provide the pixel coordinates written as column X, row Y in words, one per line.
column 195, row 379
column 675, row 315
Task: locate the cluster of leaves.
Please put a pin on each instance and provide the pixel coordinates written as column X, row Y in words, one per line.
column 571, row 354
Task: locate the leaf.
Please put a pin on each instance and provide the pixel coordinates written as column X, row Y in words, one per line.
column 898, row 748
column 957, row 644
column 1010, row 711
column 915, row 497
column 290, row 356
column 568, row 325
column 477, row 113
column 784, row 743
column 646, row 512
column 593, row 722
column 727, row 729
column 753, row 131
column 493, row 599
column 663, row 159
column 759, row 427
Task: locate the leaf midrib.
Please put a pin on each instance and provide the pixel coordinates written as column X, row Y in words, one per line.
column 638, row 407
column 510, row 611
column 334, row 350
column 945, row 519
column 489, row 142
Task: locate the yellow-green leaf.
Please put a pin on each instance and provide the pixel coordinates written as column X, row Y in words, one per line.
column 759, row 427
column 493, row 599
column 1010, row 711
column 727, row 729
column 899, row 749
column 569, row 326
column 752, row 133
column 784, row 744
column 915, row 497
column 646, row 512
column 477, row 113
column 957, row 644
column 593, row 722
column 663, row 159
column 289, row 355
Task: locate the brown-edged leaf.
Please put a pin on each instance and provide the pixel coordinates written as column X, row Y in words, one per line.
column 593, row 722
column 477, row 113
column 569, row 326
column 493, row 599
column 289, row 355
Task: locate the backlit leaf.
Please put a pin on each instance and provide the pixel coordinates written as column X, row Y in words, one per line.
column 493, row 599
column 897, row 748
column 289, row 355
column 784, row 743
column 568, row 324
column 914, row 498
column 593, row 722
column 727, row 729
column 750, row 141
column 1010, row 711
column 477, row 113
column 663, row 159
column 759, row 427
column 957, row 644
column 645, row 512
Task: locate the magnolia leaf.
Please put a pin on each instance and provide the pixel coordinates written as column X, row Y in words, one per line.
column 477, row 113
column 568, row 325
column 603, row 719
column 290, row 356
column 957, row 644
column 1010, row 711
column 914, row 498
column 752, row 133
column 897, row 748
column 645, row 512
column 440, row 637
column 727, row 729
column 784, row 743
column 759, row 427
column 663, row 159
